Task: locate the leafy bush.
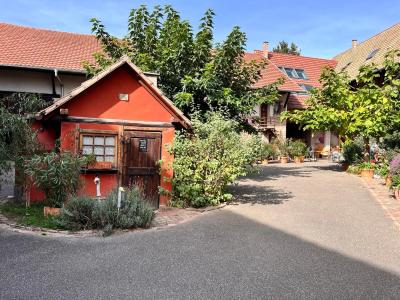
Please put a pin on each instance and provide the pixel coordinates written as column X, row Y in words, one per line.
column 268, row 151
column 395, row 181
column 383, row 169
column 85, row 213
column 391, row 141
column 297, row 148
column 366, row 165
column 354, row 169
column 56, row 174
column 207, row 160
column 283, row 146
column 353, row 152
column 135, row 211
column 77, row 214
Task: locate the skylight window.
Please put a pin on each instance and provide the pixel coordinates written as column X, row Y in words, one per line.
column 372, row 54
column 307, row 87
column 294, row 73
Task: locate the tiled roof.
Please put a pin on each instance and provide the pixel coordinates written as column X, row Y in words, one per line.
column 28, row 47
column 297, row 101
column 352, row 59
column 312, row 67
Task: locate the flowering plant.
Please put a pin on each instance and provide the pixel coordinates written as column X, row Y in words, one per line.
column 395, row 165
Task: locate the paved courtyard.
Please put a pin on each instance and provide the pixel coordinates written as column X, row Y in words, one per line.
column 296, row 232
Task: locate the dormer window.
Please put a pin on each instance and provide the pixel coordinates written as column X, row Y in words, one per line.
column 294, row 73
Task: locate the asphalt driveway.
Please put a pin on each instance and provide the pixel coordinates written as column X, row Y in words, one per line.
column 306, row 232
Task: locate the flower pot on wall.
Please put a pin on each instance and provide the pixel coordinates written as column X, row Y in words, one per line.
column 101, row 165
column 367, row 173
column 302, row 158
column 51, row 211
column 284, row 159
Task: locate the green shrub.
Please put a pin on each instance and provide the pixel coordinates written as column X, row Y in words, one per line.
column 268, row 151
column 77, row 214
column 56, row 174
column 354, row 169
column 365, row 165
column 353, row 152
column 212, row 156
column 283, row 146
column 85, row 213
column 297, row 148
column 134, row 212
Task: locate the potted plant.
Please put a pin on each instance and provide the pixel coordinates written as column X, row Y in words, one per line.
column 283, row 147
column 352, row 153
column 396, row 186
column 298, row 150
column 57, row 175
column 268, row 152
column 367, row 169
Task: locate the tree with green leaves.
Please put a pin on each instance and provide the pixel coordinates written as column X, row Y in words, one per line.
column 284, row 47
column 369, row 107
column 17, row 138
column 194, row 73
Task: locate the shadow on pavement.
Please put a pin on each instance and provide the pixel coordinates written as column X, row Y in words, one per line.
column 256, row 194
column 221, row 255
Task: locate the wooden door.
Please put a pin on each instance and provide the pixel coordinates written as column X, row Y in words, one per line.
column 142, row 153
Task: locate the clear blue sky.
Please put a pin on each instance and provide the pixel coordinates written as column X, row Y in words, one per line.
column 321, row 28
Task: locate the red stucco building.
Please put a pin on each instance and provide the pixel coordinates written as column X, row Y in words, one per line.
column 123, row 119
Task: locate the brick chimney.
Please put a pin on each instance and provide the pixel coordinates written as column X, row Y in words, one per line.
column 353, row 43
column 265, row 49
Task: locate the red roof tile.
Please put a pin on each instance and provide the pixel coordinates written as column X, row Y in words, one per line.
column 297, row 101
column 312, row 67
column 41, row 48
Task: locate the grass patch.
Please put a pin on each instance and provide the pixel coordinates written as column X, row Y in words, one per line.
column 28, row 216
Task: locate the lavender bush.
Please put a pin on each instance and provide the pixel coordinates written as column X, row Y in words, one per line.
column 395, row 165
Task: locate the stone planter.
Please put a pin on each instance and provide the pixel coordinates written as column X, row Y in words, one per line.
column 284, row 159
column 396, row 192
column 51, row 211
column 367, row 173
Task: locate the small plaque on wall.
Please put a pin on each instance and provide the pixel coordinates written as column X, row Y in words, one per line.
column 123, row 97
column 143, row 145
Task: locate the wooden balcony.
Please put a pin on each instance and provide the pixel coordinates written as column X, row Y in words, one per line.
column 269, row 122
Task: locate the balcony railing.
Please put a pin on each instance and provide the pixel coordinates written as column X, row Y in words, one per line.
column 269, row 122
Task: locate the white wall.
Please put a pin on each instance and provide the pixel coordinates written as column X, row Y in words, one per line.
column 36, row 82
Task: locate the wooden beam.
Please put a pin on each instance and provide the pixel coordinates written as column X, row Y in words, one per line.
column 117, row 122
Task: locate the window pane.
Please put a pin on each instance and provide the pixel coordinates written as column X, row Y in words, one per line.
column 301, row 73
column 87, row 140
column 87, row 150
column 99, row 158
column 110, row 140
column 110, row 158
column 99, row 140
column 99, row 150
column 289, row 72
column 109, row 150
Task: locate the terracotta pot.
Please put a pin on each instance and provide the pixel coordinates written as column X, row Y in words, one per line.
column 284, row 159
column 297, row 159
column 345, row 166
column 367, row 173
column 388, row 181
column 51, row 211
column 302, row 158
column 101, row 165
column 396, row 193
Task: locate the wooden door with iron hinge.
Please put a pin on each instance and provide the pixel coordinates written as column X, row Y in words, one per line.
column 142, row 152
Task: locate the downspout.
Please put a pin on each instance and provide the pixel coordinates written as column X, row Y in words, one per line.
column 60, row 82
column 287, row 99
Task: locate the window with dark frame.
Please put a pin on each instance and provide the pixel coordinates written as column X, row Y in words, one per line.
column 102, row 146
